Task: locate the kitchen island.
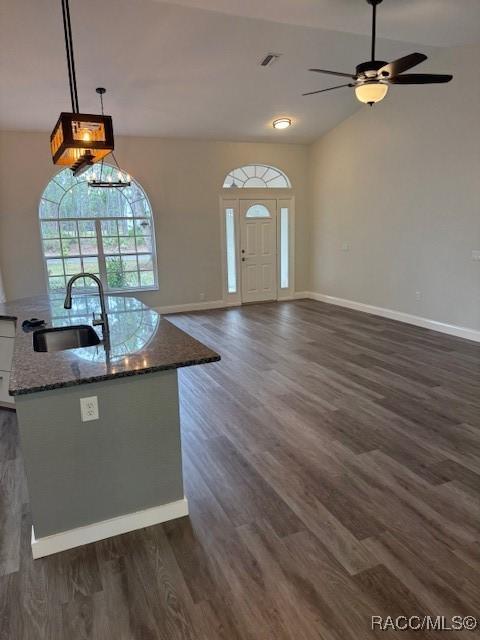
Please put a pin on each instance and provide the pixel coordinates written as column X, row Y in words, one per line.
column 93, row 476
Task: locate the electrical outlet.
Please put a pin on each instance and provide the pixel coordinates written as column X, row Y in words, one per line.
column 476, row 255
column 346, row 246
column 418, row 295
column 89, row 408
column 202, row 297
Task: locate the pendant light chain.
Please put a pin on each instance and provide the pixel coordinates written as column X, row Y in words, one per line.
column 67, row 29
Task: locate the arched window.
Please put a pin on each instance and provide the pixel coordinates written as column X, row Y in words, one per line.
column 258, row 211
column 257, row 176
column 105, row 231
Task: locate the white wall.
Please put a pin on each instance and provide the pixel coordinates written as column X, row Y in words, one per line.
column 182, row 179
column 400, row 182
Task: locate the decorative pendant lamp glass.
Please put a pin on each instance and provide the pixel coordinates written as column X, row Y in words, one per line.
column 371, row 92
column 78, row 140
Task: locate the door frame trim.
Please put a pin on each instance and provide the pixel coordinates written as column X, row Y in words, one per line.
column 232, row 200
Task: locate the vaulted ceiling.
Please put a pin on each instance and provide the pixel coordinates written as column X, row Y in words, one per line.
column 441, row 23
column 193, row 71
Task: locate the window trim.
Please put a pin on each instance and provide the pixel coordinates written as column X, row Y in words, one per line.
column 230, row 299
column 101, row 255
column 229, row 214
column 282, row 262
column 267, row 167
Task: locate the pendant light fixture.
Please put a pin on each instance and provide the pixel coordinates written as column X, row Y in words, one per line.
column 78, row 140
column 123, row 178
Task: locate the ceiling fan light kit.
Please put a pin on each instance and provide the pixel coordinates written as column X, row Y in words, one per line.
column 371, row 92
column 371, row 79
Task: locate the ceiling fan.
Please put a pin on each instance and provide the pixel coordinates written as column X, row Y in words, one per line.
column 372, row 79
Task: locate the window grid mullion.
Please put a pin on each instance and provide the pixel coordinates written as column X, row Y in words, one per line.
column 102, row 267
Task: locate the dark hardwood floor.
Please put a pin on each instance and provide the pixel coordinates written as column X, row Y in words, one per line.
column 332, row 464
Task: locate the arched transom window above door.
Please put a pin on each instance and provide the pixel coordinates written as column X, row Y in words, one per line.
column 257, row 176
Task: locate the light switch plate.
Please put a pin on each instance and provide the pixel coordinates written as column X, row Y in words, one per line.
column 89, row 408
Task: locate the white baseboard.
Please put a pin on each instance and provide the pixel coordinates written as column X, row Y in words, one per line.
column 426, row 323
column 293, row 296
column 217, row 304
column 302, row 295
column 107, row 528
column 196, row 306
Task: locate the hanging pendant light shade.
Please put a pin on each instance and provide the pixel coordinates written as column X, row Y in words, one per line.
column 78, row 140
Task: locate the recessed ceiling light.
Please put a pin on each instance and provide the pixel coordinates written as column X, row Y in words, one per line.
column 282, row 123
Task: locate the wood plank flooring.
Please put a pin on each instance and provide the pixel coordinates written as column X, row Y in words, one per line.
column 332, row 465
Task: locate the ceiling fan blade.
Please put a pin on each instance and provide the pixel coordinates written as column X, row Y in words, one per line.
column 402, row 64
column 420, row 78
column 310, row 93
column 334, row 73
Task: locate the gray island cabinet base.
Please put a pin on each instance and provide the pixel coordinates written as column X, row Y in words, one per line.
column 91, row 480
column 94, row 479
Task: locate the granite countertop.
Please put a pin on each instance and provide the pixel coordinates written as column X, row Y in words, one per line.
column 141, row 342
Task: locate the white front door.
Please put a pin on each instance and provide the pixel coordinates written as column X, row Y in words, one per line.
column 258, row 249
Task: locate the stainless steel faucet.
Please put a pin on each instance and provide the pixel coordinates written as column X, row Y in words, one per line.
column 103, row 319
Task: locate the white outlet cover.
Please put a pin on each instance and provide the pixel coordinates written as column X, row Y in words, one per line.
column 476, row 255
column 89, row 408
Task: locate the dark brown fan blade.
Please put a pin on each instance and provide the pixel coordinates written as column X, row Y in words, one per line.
column 334, row 73
column 420, row 78
column 402, row 64
column 310, row 93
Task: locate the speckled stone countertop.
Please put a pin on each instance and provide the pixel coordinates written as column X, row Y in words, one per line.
column 141, row 342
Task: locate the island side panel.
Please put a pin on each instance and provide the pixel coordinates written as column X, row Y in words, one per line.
column 80, row 473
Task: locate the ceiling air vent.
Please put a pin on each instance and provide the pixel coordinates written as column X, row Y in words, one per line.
column 269, row 59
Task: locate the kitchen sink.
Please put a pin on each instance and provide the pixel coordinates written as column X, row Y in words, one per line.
column 62, row 338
